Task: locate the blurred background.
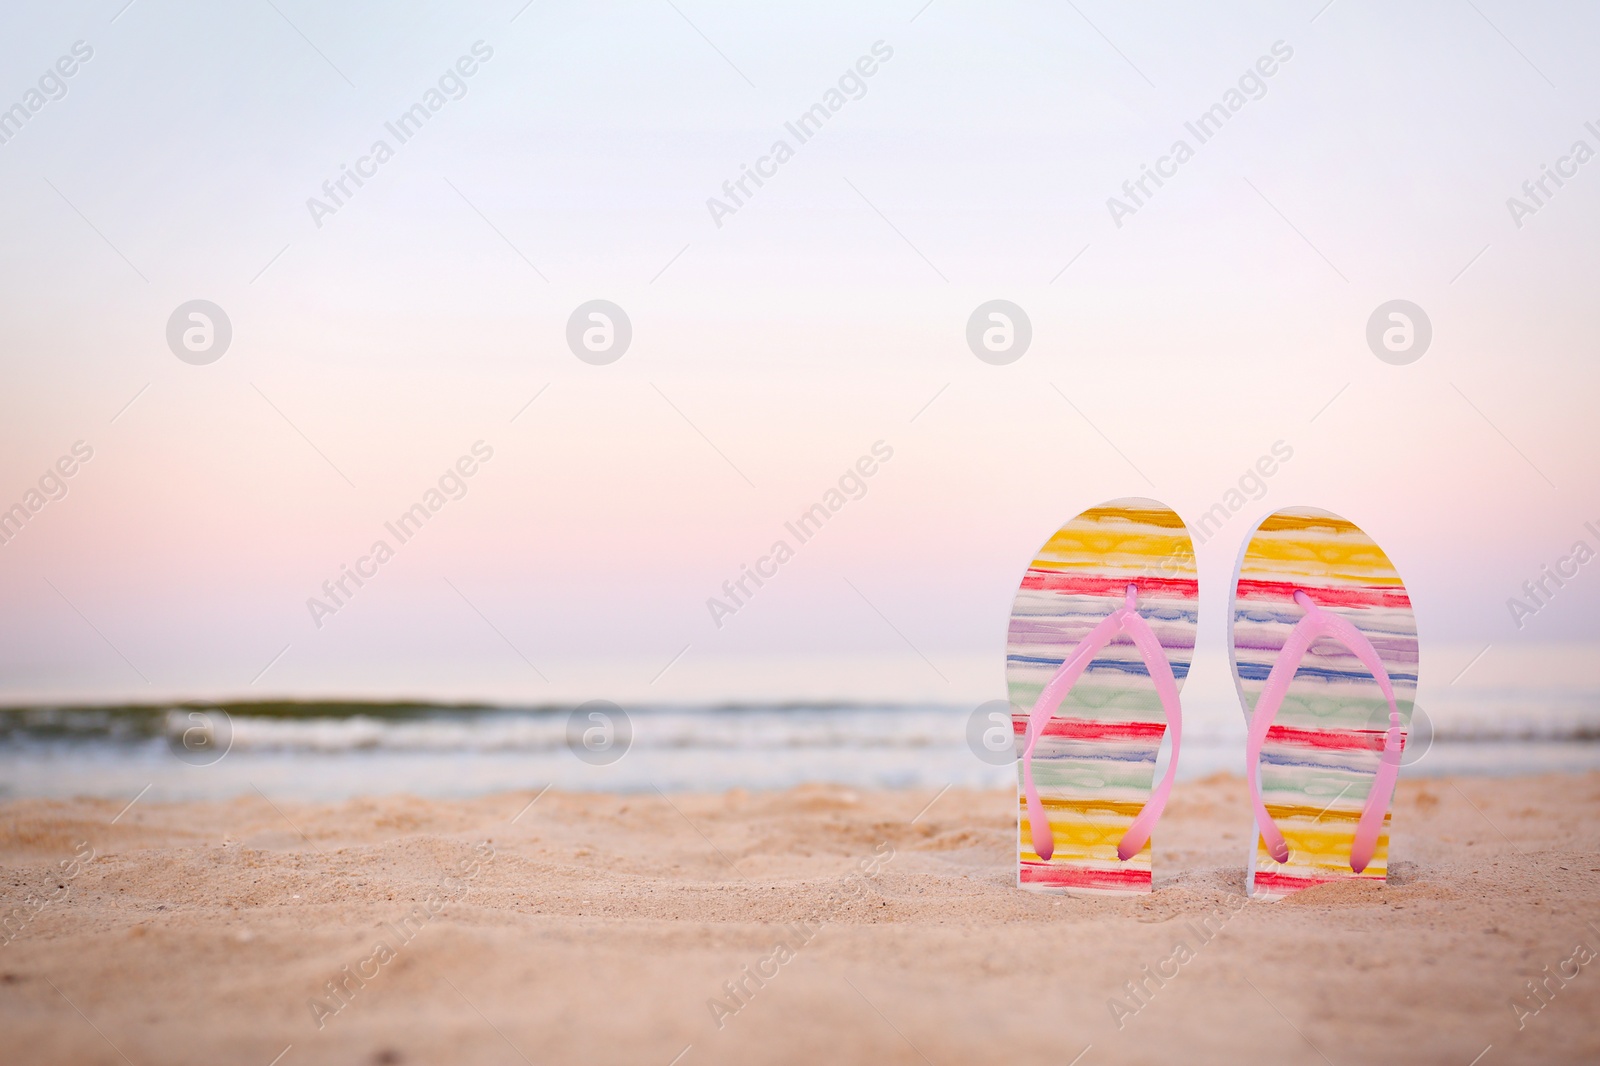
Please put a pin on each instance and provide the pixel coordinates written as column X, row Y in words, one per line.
column 376, row 334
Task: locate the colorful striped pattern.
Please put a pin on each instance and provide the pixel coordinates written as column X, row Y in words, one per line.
column 1095, row 764
column 1322, row 751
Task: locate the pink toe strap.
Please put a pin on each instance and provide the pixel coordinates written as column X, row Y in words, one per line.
column 1124, row 619
column 1318, row 623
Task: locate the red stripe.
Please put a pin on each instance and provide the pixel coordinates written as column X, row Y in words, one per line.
column 1082, row 877
column 1328, row 739
column 1096, row 585
column 1082, row 729
column 1289, row 883
column 1337, row 596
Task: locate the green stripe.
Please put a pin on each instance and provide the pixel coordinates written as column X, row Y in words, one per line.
column 1090, row 776
column 1097, row 702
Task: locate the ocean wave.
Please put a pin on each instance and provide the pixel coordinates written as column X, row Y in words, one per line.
column 420, row 728
column 535, row 733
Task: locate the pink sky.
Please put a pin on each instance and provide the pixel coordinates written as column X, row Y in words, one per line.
column 771, row 352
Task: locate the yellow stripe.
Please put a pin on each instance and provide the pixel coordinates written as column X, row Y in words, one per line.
column 1348, row 560
column 1076, row 546
column 1067, row 808
column 1082, row 841
column 1283, row 813
column 1164, row 518
column 1282, row 520
column 1329, row 865
column 1322, row 850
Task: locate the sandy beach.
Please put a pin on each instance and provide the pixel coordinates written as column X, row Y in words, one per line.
column 815, row 924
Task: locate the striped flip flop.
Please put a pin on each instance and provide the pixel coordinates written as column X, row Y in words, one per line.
column 1101, row 637
column 1324, row 651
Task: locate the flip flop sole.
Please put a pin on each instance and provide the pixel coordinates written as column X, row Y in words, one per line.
column 1095, row 763
column 1321, row 754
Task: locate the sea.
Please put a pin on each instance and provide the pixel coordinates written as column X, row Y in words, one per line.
column 312, row 750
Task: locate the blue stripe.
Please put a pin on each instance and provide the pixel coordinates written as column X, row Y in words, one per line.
column 1361, row 763
column 1369, row 621
column 1259, row 671
column 1085, row 753
column 1133, row 668
column 1190, row 615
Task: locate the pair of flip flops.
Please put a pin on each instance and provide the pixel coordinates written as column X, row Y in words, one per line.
column 1323, row 646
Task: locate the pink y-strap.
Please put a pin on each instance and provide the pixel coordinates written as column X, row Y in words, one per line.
column 1124, row 619
column 1319, row 623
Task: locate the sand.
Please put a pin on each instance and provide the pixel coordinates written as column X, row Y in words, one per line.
column 604, row 928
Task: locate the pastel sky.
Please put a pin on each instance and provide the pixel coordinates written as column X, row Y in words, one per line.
column 373, row 346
